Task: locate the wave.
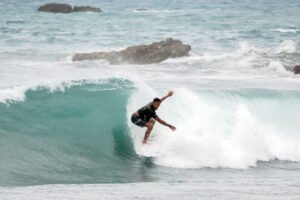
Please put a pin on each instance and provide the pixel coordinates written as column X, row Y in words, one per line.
column 20, row 73
column 78, row 135
column 83, row 134
column 283, row 30
column 245, row 59
column 277, row 67
column 156, row 11
column 287, row 46
column 230, row 129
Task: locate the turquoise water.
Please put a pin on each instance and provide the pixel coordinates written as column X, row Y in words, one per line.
column 236, row 101
column 81, row 135
column 71, row 136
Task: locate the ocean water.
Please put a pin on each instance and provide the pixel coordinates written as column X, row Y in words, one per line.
column 65, row 130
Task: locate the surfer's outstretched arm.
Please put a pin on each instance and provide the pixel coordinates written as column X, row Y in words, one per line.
column 170, row 93
column 173, row 128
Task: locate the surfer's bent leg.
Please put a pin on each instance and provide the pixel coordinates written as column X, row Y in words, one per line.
column 137, row 121
column 149, row 126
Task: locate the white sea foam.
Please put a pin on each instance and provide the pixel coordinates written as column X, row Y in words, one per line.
column 53, row 75
column 243, row 51
column 287, row 46
column 282, row 30
column 214, row 133
column 14, row 93
column 207, row 70
column 277, row 67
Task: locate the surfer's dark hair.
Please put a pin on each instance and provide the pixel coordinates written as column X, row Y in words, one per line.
column 156, row 100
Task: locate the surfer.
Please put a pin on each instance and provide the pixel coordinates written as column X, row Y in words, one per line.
column 146, row 116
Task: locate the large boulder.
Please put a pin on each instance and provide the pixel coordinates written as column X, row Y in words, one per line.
column 141, row 54
column 86, row 9
column 56, row 8
column 296, row 69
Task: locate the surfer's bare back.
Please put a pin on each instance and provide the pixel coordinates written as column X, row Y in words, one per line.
column 146, row 116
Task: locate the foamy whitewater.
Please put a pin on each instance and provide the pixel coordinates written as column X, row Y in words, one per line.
column 65, row 129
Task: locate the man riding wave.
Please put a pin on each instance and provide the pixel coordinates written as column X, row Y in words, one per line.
column 146, row 116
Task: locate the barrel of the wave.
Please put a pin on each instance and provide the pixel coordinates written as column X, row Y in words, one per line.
column 78, row 135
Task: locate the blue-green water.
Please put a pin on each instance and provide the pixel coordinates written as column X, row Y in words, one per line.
column 236, row 103
column 81, row 134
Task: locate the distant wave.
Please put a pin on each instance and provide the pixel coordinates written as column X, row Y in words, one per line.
column 156, row 11
column 282, row 30
column 245, row 56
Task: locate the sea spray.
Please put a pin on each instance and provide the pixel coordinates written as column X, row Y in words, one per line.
column 232, row 129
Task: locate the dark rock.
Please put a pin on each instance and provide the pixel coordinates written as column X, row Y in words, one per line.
column 56, row 8
column 296, row 69
column 66, row 8
column 141, row 54
column 86, row 9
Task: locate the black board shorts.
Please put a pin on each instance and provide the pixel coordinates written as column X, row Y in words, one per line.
column 137, row 121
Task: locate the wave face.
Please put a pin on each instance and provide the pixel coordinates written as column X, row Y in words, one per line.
column 78, row 135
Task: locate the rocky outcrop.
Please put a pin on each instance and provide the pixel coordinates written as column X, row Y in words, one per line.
column 296, row 69
column 56, row 8
column 86, row 9
column 141, row 54
column 66, row 8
